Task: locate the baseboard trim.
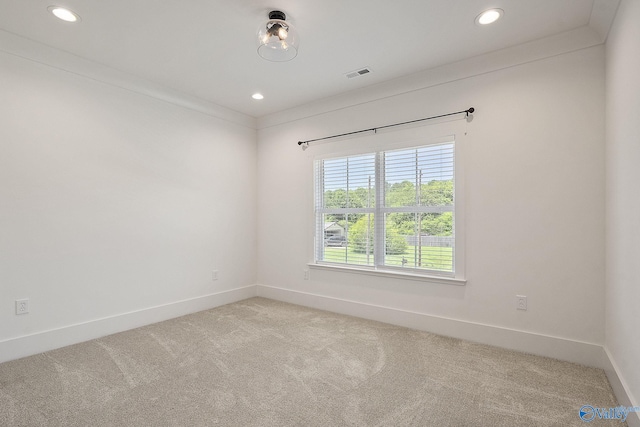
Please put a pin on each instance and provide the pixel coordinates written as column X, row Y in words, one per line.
column 584, row 353
column 544, row 345
column 15, row 348
column 620, row 389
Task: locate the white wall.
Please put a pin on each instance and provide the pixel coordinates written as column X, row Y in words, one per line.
column 113, row 202
column 623, row 203
column 534, row 166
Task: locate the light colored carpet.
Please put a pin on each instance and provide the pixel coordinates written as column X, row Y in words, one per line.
column 260, row 362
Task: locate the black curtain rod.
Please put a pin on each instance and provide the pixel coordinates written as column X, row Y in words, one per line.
column 468, row 111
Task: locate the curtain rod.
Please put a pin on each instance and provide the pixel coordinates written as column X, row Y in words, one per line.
column 467, row 111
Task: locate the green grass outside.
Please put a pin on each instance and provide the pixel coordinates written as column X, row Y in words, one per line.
column 433, row 258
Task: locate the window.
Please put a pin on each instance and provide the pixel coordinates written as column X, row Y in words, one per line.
column 388, row 210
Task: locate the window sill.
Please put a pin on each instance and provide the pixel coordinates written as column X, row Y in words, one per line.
column 389, row 274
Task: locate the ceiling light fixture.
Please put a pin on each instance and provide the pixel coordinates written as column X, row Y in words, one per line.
column 277, row 39
column 257, row 96
column 489, row 16
column 64, row 14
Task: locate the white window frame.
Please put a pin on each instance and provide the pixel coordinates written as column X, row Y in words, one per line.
column 389, row 141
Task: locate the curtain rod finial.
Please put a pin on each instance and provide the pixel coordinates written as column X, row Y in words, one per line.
column 470, row 114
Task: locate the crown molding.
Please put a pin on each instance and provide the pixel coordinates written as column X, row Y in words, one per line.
column 602, row 15
column 578, row 39
column 13, row 44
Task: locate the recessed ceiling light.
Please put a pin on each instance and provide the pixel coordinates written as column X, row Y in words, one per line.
column 257, row 96
column 64, row 13
column 489, row 16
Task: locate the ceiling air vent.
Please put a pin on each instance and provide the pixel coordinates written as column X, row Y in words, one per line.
column 358, row 73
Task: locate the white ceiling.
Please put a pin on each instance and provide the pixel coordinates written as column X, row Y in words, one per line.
column 207, row 48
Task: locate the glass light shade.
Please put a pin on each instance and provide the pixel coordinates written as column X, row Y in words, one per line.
column 277, row 41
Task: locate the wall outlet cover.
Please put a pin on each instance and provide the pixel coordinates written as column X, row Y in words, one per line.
column 521, row 302
column 22, row 306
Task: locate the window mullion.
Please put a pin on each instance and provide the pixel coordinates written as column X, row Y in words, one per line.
column 379, row 240
column 320, row 183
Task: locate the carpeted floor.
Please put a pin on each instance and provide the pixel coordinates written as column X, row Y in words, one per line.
column 260, row 362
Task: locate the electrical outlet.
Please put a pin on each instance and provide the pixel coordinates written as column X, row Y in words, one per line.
column 306, row 274
column 521, row 302
column 214, row 275
column 22, row 306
